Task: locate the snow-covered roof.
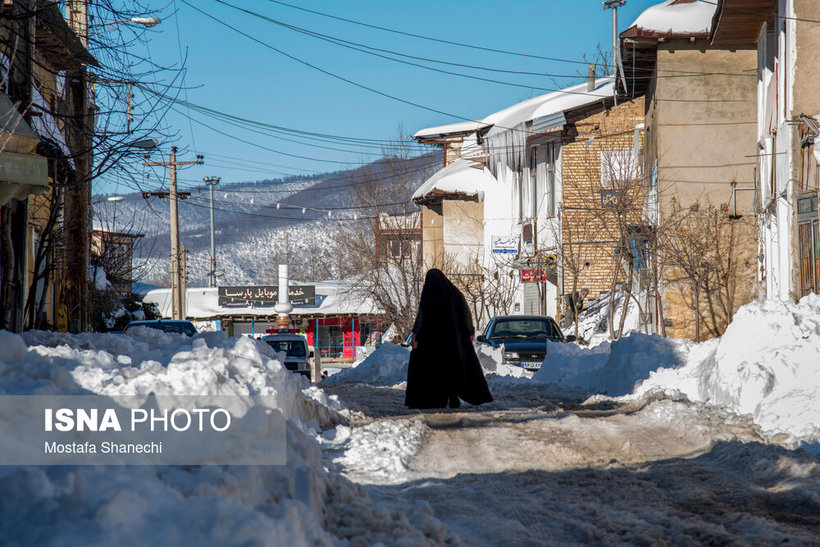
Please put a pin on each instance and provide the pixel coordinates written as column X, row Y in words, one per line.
column 543, row 105
column 675, row 17
column 460, row 177
column 448, row 129
column 334, row 298
column 549, row 104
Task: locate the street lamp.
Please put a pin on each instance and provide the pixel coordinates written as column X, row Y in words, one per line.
column 91, row 215
column 147, row 22
column 110, row 198
column 145, row 144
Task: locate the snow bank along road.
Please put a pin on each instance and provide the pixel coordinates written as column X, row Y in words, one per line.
column 535, row 468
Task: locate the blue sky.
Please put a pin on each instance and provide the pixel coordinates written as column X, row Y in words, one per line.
column 236, row 75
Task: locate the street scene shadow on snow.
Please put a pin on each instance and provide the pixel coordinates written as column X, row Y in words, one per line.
column 737, row 492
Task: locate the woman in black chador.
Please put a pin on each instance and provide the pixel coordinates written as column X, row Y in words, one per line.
column 443, row 364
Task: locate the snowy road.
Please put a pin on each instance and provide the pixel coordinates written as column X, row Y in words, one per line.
column 533, row 470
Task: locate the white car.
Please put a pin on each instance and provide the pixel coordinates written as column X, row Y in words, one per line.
column 297, row 352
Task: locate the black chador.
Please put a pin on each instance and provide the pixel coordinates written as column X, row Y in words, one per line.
column 443, row 364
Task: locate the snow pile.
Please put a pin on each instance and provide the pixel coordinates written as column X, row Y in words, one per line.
column 575, row 366
column 387, row 366
column 459, row 177
column 676, row 17
column 765, row 365
column 380, row 450
column 491, row 361
column 593, row 326
column 98, row 277
column 151, row 361
column 299, row 503
column 612, row 368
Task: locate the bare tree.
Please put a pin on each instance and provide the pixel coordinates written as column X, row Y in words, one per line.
column 46, row 212
column 129, row 95
column 385, row 256
column 574, row 256
column 488, row 289
column 382, row 243
column 603, row 232
column 703, row 248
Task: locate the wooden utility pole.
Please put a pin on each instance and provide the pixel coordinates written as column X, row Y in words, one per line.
column 79, row 130
column 177, row 298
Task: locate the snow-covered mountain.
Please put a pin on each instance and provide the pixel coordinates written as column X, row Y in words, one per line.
column 259, row 223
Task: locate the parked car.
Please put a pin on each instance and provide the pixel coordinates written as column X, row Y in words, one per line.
column 523, row 337
column 177, row 326
column 297, row 352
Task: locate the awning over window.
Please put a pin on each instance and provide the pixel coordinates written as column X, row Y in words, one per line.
column 21, row 175
column 22, row 172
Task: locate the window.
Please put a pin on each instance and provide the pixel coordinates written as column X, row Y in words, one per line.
column 773, row 168
column 618, row 168
column 533, row 189
column 292, row 348
column 539, row 191
column 401, row 248
column 808, row 236
column 519, row 188
column 552, row 158
column 808, row 167
column 524, row 328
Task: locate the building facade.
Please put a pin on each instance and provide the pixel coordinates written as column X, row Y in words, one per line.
column 38, row 49
column 700, row 158
column 783, row 34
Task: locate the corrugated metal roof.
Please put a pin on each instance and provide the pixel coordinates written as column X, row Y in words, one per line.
column 549, row 122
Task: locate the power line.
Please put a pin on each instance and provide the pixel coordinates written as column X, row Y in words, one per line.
column 322, row 70
column 430, row 38
column 372, row 50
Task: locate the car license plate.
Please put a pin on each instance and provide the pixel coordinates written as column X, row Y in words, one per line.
column 530, row 364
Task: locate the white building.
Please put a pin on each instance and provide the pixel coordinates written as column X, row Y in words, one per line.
column 497, row 200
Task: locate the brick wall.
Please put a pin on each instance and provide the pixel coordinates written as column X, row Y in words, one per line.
column 589, row 230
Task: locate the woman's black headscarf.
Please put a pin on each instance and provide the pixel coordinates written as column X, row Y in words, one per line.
column 444, row 364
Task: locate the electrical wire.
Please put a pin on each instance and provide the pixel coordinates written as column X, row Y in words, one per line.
column 378, row 52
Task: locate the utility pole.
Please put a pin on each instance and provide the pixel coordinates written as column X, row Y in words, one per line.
column 79, row 131
column 212, row 181
column 616, row 50
column 177, row 299
column 183, row 279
